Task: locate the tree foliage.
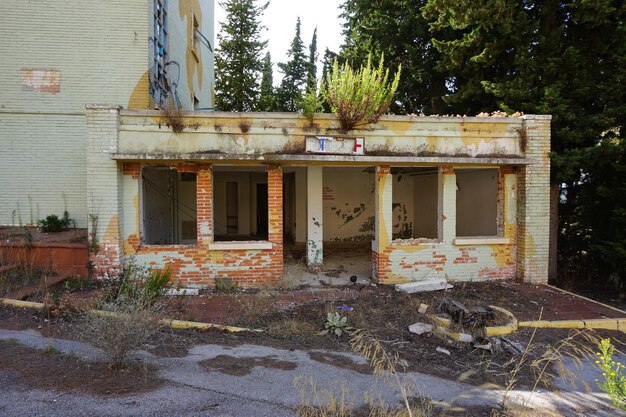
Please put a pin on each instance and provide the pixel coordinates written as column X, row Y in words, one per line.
column 238, row 63
column 397, row 29
column 561, row 57
column 267, row 101
column 294, row 80
column 311, row 73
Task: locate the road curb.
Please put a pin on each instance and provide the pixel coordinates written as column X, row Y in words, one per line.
column 514, row 324
column 174, row 324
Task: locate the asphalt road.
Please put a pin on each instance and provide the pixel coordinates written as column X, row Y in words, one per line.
column 193, row 391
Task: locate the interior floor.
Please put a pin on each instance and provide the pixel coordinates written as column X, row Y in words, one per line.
column 341, row 261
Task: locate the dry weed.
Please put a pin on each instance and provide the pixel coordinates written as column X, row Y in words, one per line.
column 123, row 326
column 320, row 402
column 291, row 328
column 251, row 308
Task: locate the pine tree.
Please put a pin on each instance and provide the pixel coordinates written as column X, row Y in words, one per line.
column 267, row 101
column 397, row 30
column 311, row 77
column 294, row 80
column 238, row 63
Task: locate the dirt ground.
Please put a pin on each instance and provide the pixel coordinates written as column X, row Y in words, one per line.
column 15, row 234
column 293, row 319
column 50, row 370
column 382, row 312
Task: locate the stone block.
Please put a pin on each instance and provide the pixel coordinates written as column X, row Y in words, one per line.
column 424, row 286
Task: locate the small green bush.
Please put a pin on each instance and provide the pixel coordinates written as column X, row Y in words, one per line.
column 336, row 324
column 310, row 104
column 614, row 384
column 137, row 283
column 225, row 285
column 54, row 223
column 360, row 97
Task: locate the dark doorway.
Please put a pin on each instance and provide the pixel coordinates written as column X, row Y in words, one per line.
column 262, row 215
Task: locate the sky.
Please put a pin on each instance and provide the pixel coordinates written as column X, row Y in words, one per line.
column 280, row 21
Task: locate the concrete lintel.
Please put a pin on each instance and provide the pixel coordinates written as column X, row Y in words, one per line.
column 481, row 240
column 240, row 245
column 103, row 107
column 536, row 117
column 319, row 159
column 330, row 116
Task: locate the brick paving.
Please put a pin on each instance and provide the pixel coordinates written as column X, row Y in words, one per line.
column 559, row 305
column 224, row 308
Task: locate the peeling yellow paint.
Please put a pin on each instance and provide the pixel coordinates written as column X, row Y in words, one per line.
column 112, row 234
column 188, row 9
column 128, row 248
column 140, row 97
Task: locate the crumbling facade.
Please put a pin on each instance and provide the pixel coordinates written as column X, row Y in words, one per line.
column 462, row 197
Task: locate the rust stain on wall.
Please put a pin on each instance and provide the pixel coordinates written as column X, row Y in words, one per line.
column 41, row 80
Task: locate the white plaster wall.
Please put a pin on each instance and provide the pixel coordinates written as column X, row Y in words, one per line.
column 477, row 202
column 348, row 204
column 402, row 206
column 195, row 76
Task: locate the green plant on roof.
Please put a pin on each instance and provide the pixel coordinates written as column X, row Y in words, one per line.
column 360, row 97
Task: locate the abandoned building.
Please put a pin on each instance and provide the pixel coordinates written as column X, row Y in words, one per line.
column 245, row 196
column 231, row 195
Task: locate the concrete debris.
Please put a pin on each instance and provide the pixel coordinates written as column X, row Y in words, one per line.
column 466, row 317
column 424, row 286
column 514, row 348
column 465, row 338
column 486, row 346
column 422, row 309
column 182, row 291
column 420, row 328
column 442, row 350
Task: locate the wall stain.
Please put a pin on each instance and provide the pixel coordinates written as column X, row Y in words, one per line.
column 140, row 97
column 189, row 8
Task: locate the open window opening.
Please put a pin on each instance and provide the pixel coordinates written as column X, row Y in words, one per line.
column 168, row 199
column 240, row 203
column 195, row 38
column 415, row 199
column 476, row 202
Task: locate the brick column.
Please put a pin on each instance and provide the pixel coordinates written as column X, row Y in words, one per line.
column 204, row 204
column 104, row 191
column 446, row 207
column 533, row 214
column 383, row 224
column 275, row 224
column 275, row 203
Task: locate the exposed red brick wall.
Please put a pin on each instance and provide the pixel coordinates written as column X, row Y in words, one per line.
column 197, row 265
column 64, row 259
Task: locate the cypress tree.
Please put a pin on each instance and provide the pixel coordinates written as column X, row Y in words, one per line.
column 267, row 101
column 238, row 63
column 294, row 80
column 311, row 78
